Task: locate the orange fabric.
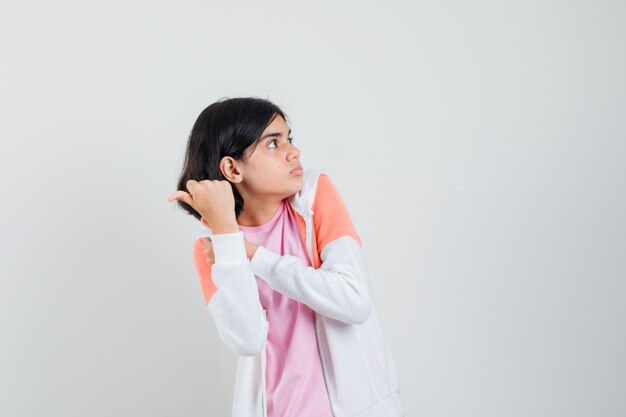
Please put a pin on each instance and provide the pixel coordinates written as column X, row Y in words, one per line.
column 204, row 270
column 331, row 219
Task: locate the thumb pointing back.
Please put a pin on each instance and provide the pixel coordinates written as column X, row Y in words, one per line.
column 181, row 196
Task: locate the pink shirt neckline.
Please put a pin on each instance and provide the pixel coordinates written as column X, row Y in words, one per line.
column 268, row 224
column 294, row 377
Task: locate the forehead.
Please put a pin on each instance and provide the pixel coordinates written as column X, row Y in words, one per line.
column 277, row 124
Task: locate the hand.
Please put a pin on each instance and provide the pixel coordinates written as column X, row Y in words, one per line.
column 215, row 202
column 210, row 255
column 208, row 250
column 250, row 248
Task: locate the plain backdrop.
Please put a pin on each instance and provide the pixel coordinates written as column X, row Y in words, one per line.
column 479, row 147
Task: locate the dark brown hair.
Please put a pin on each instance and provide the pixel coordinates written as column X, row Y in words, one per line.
column 225, row 128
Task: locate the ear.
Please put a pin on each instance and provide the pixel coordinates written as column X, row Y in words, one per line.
column 230, row 169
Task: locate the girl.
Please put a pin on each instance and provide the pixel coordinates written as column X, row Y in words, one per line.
column 282, row 271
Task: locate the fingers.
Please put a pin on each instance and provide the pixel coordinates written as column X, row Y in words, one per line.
column 208, row 250
column 181, row 196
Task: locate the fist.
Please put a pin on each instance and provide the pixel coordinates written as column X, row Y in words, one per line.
column 212, row 199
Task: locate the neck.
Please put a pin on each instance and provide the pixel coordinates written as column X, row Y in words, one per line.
column 256, row 213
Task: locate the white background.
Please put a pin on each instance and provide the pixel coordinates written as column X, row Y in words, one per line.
column 479, row 147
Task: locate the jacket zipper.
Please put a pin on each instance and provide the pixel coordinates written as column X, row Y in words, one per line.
column 309, row 240
column 323, row 362
column 263, row 365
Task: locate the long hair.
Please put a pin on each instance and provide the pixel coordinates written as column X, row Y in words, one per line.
column 227, row 127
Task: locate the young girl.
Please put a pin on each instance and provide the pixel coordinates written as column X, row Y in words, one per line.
column 282, row 271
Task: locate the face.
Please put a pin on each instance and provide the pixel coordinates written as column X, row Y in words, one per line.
column 267, row 171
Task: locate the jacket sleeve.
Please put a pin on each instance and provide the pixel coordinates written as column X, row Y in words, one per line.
column 231, row 293
column 340, row 288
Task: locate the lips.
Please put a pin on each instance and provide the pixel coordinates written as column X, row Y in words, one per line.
column 296, row 170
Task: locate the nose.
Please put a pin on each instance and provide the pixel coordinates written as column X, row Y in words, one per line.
column 295, row 152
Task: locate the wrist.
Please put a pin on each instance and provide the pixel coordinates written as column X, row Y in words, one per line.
column 225, row 228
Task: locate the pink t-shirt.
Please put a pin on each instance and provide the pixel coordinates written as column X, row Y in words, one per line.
column 295, row 383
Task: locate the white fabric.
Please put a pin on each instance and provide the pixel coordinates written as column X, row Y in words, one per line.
column 358, row 365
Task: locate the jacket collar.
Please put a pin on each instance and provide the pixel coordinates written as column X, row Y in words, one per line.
column 302, row 201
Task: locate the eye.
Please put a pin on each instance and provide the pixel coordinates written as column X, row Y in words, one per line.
column 274, row 141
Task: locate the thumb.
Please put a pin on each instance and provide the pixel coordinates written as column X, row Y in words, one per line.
column 180, row 196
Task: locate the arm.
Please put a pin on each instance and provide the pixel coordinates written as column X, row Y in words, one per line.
column 340, row 288
column 231, row 293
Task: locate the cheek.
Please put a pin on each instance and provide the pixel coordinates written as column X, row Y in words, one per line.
column 276, row 178
column 269, row 174
column 275, row 181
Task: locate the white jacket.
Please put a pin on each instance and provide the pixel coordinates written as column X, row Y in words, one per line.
column 358, row 365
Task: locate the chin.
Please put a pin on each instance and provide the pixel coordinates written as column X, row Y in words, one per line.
column 297, row 187
column 300, row 183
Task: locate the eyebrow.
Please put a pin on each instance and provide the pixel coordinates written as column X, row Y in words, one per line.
column 274, row 134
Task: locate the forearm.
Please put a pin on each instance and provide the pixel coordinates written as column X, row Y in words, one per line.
column 236, row 306
column 224, row 227
column 339, row 289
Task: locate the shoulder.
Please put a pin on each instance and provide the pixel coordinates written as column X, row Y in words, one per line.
column 197, row 245
column 203, row 268
column 199, row 257
column 326, row 193
column 331, row 217
column 324, row 184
